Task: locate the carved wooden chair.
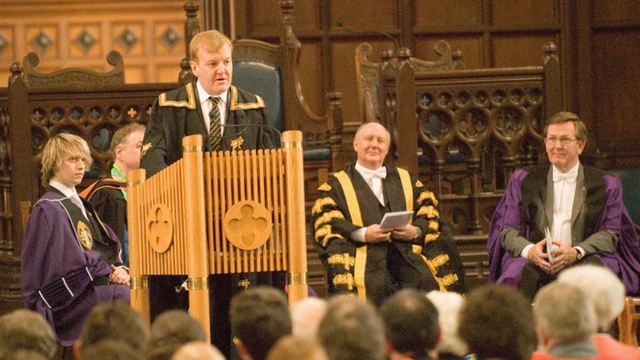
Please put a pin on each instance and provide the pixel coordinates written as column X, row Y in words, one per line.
column 368, row 77
column 89, row 104
column 5, row 175
column 474, row 127
column 630, row 316
column 273, row 72
column 628, row 321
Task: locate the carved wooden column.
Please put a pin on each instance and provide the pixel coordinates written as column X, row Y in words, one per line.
column 191, row 28
column 552, row 81
column 406, row 113
column 219, row 15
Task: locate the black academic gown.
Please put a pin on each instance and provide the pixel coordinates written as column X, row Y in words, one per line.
column 105, row 195
column 374, row 271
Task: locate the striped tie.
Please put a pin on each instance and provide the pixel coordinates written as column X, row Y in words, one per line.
column 215, row 129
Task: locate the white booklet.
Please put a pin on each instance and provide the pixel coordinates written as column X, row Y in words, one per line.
column 396, row 219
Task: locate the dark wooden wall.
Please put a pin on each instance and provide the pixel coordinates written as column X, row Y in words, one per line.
column 598, row 43
column 80, row 33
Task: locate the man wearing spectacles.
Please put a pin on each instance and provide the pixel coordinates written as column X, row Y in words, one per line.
column 559, row 214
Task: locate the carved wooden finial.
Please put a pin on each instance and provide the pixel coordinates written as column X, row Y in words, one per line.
column 114, row 58
column 191, row 25
column 32, row 58
column 550, row 49
column 404, row 53
column 16, row 69
column 185, row 76
column 386, row 55
column 286, row 7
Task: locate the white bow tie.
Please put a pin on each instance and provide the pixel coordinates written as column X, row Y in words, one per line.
column 380, row 173
column 569, row 177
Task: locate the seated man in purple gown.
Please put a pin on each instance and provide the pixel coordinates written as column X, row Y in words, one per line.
column 579, row 208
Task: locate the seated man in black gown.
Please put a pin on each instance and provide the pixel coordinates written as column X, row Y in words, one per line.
column 359, row 255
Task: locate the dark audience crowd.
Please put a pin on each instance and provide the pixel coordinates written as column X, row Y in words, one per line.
column 490, row 322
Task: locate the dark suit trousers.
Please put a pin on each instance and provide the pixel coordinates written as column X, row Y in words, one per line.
column 533, row 278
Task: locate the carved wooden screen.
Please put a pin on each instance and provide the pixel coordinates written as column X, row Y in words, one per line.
column 474, row 127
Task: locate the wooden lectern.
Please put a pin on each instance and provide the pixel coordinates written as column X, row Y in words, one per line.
column 218, row 213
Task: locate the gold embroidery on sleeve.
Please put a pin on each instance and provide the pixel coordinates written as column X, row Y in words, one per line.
column 145, row 148
column 431, row 237
column 320, row 203
column 324, row 187
column 327, row 217
column 428, row 211
column 427, row 195
column 440, row 260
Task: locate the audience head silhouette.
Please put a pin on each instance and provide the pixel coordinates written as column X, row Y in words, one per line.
column 351, row 330
column 497, row 322
column 410, row 309
column 259, row 318
column 26, row 330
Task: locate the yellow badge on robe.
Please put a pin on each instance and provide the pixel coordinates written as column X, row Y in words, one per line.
column 84, row 235
column 145, row 148
column 237, row 143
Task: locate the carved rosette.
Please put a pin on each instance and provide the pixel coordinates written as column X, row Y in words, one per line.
column 436, row 126
column 508, row 122
column 160, row 228
column 247, row 225
column 473, row 124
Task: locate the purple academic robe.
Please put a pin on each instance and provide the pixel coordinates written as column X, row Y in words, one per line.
column 506, row 268
column 51, row 251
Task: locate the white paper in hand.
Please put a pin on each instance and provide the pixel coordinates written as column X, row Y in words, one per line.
column 396, row 219
column 547, row 234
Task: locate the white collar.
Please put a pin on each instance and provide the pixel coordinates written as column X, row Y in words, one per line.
column 68, row 192
column 204, row 96
column 367, row 174
column 570, row 175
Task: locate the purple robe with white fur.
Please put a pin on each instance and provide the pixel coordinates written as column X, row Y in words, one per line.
column 51, row 250
column 506, row 268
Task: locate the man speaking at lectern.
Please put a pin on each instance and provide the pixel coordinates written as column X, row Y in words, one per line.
column 229, row 119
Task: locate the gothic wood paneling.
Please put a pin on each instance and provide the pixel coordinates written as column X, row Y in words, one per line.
column 72, row 33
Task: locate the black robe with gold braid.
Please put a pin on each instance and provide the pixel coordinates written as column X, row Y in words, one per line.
column 177, row 114
column 346, row 203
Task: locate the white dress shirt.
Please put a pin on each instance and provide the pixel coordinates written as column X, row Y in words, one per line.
column 564, row 191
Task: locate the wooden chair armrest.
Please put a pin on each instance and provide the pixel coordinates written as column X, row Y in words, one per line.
column 628, row 321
